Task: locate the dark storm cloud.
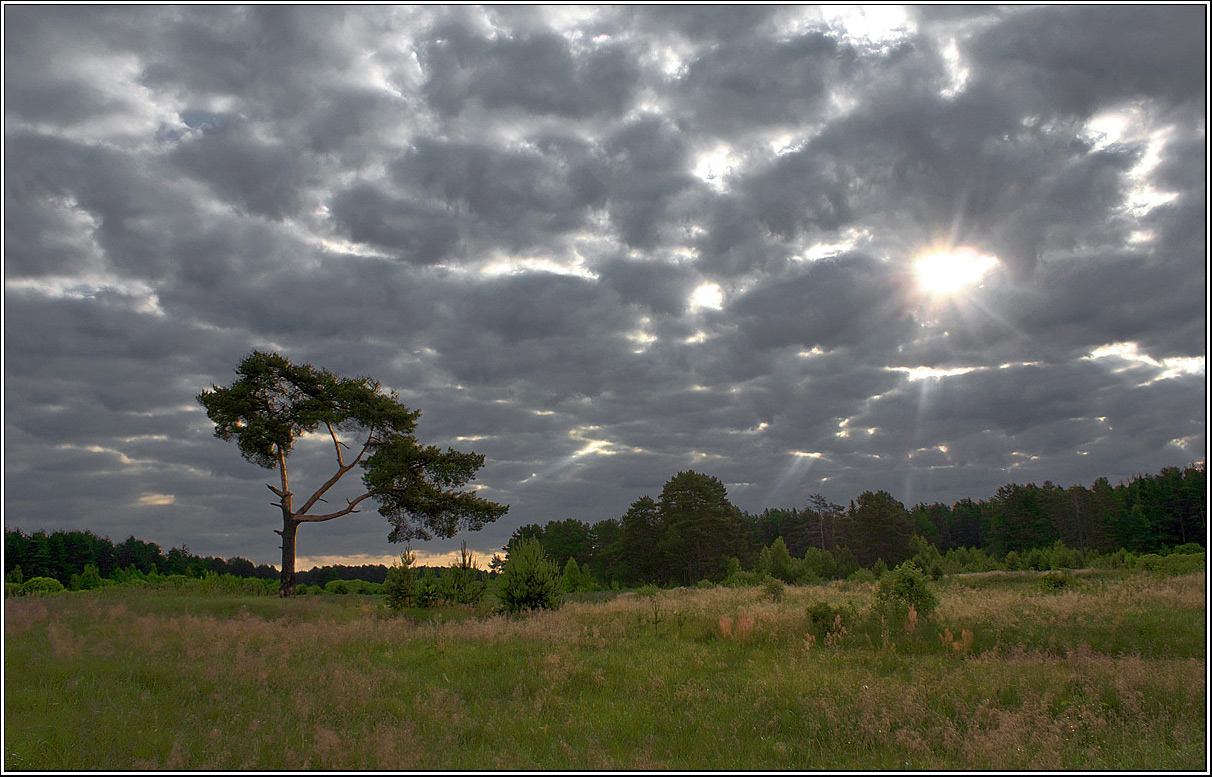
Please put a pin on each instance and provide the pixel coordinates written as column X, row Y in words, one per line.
column 415, row 232
column 700, row 23
column 535, row 72
column 262, row 178
column 1075, row 59
column 837, row 302
column 599, row 245
column 749, row 83
column 648, row 161
column 660, row 287
column 519, row 197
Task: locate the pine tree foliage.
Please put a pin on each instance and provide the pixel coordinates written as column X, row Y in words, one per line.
column 530, row 581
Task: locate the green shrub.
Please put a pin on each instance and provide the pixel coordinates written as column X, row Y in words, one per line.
column 774, row 590
column 530, row 580
column 1178, row 564
column 337, row 587
column 12, row 589
column 1150, row 561
column 1054, row 582
column 926, row 556
column 461, row 584
column 818, row 563
column 1120, row 559
column 879, row 569
column 90, row 578
column 862, row 575
column 822, row 618
column 401, row 582
column 41, row 585
column 740, row 578
column 905, row 587
column 1187, row 548
column 428, row 590
column 16, row 576
column 780, row 563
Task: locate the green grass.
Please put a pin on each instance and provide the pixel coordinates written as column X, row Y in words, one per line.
column 1108, row 674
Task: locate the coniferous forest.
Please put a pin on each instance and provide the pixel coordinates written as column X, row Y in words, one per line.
column 691, row 533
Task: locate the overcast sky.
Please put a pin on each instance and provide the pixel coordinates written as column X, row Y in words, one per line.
column 601, row 245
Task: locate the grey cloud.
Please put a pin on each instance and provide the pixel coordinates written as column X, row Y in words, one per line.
column 1076, row 59
column 534, row 71
column 132, row 228
column 519, row 197
column 835, row 302
column 661, row 287
column 266, row 52
column 700, row 23
column 800, row 191
column 750, row 83
column 262, row 178
column 648, row 161
column 416, row 232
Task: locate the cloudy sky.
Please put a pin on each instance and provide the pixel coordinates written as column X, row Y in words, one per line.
column 601, row 245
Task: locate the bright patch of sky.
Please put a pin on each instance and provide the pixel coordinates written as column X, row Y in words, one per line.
column 707, row 296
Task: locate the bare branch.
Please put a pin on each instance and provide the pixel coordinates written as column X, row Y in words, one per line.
column 351, row 508
column 277, row 491
column 332, row 481
column 336, row 444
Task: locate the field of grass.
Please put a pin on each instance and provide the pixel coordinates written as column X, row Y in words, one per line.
column 1104, row 671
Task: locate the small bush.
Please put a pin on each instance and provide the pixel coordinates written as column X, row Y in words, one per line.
column 906, row 587
column 530, row 580
column 428, row 590
column 401, row 582
column 90, row 578
column 647, row 591
column 1150, row 562
column 1054, row 582
column 41, row 585
column 862, row 575
column 336, row 587
column 774, row 590
column 1178, row 564
column 16, row 576
column 461, row 584
column 822, row 617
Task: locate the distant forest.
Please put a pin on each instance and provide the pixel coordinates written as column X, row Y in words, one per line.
column 693, row 533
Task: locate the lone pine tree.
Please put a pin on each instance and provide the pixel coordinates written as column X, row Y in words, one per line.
column 273, row 402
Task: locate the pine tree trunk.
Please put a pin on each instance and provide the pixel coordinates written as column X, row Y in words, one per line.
column 289, row 527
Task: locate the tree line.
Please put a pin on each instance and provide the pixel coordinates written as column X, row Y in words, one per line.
column 693, row 532
column 62, row 554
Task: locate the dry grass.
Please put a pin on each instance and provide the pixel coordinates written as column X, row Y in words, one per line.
column 699, row 679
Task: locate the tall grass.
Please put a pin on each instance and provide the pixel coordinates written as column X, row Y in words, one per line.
column 1107, row 674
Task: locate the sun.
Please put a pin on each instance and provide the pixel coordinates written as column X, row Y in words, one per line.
column 941, row 273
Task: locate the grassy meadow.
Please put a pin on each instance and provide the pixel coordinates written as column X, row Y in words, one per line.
column 1095, row 670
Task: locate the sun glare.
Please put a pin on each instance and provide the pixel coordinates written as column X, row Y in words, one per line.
column 949, row 271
